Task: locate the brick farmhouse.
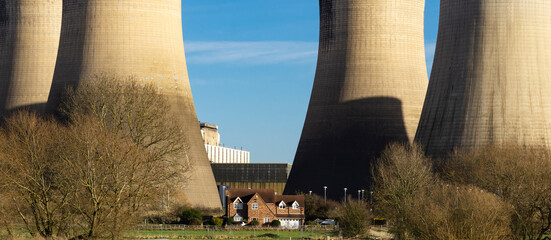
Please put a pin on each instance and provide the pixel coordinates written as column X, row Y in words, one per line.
column 245, row 205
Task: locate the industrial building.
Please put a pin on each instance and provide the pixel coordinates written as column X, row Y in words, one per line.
column 368, row 91
column 218, row 153
column 491, row 78
column 254, row 175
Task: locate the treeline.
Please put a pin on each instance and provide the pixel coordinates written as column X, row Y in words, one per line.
column 496, row 192
column 110, row 154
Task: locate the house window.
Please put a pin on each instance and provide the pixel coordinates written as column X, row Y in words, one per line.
column 255, row 206
column 237, row 205
column 254, row 219
column 282, row 205
column 295, row 205
column 266, row 220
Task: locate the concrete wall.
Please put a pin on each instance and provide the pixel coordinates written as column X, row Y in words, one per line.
column 369, row 88
column 142, row 38
column 219, row 154
column 491, row 78
column 29, row 40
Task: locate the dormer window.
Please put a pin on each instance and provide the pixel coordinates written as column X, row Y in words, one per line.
column 237, row 204
column 295, row 205
column 282, row 205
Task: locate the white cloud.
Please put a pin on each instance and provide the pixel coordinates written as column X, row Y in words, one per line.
column 264, row 52
column 252, row 53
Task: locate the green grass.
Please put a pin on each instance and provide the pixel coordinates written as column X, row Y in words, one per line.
column 217, row 234
column 225, row 234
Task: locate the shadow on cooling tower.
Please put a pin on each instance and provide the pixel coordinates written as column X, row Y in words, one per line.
column 7, row 43
column 73, row 35
column 338, row 151
column 443, row 119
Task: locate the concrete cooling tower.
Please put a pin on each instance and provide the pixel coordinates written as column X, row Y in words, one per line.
column 491, row 79
column 29, row 39
column 369, row 88
column 142, row 38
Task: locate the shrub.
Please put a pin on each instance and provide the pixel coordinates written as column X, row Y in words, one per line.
column 190, row 216
column 268, row 235
column 275, row 223
column 217, row 221
column 312, row 223
column 317, row 208
column 229, row 221
column 354, row 218
column 254, row 223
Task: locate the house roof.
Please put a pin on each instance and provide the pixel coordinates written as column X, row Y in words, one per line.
column 246, row 194
column 290, row 199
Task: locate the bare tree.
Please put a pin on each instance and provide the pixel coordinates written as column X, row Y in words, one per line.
column 402, row 175
column 520, row 175
column 146, row 153
column 6, row 215
column 32, row 179
column 131, row 108
column 95, row 173
column 421, row 206
column 104, row 165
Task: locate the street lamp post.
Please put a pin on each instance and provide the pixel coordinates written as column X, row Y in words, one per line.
column 359, row 194
column 371, row 197
column 325, row 194
column 345, row 194
column 310, row 193
column 363, row 194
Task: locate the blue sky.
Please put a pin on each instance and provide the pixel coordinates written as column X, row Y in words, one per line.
column 251, row 65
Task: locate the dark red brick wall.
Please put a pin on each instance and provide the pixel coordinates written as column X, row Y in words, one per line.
column 262, row 212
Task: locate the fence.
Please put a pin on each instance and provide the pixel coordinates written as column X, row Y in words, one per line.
column 157, row 227
column 233, row 231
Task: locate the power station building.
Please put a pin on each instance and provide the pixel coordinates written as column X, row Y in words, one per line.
column 369, row 88
column 491, row 78
column 140, row 38
column 218, row 153
column 29, row 40
column 232, row 168
column 252, row 176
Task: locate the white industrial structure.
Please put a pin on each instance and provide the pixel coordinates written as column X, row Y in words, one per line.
column 221, row 154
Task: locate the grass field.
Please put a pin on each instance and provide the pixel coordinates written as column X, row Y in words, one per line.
column 228, row 234
column 209, row 234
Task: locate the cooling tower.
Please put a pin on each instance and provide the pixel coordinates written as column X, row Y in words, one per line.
column 491, row 79
column 142, row 38
column 29, row 39
column 369, row 88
